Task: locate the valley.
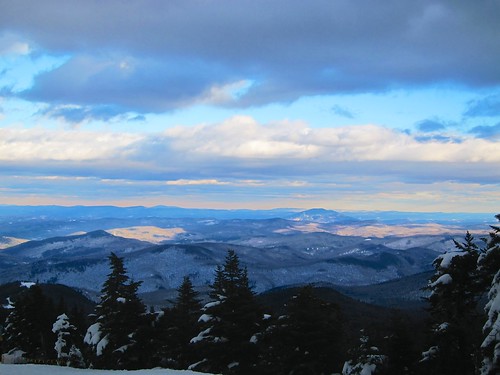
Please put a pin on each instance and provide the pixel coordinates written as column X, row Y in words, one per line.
column 279, row 248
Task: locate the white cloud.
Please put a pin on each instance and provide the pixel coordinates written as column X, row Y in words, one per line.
column 25, row 145
column 13, row 45
column 243, row 138
column 241, row 150
column 186, row 182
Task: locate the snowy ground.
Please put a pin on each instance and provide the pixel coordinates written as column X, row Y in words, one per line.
column 58, row 370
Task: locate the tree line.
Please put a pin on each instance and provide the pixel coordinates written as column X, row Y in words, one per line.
column 233, row 333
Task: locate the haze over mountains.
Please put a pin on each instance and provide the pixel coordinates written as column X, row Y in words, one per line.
column 161, row 245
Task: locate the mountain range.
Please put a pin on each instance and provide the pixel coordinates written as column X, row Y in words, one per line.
column 70, row 245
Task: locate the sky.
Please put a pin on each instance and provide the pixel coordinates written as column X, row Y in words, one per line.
column 346, row 105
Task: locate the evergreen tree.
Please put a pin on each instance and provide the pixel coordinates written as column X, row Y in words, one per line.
column 229, row 322
column 119, row 316
column 489, row 260
column 401, row 354
column 491, row 344
column 455, row 290
column 177, row 326
column 28, row 326
column 366, row 359
column 307, row 340
column 489, row 265
column 68, row 353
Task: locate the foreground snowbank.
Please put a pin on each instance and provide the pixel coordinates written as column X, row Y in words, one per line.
column 58, row 370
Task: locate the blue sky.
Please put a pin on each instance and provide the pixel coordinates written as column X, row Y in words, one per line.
column 344, row 105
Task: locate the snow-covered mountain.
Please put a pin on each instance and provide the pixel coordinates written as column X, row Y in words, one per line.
column 320, row 215
column 84, row 245
column 272, row 261
column 291, row 247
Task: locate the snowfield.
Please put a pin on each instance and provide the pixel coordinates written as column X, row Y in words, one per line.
column 59, row 370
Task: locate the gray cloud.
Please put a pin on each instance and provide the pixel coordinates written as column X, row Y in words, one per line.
column 486, row 107
column 242, row 149
column 77, row 114
column 489, row 132
column 342, row 112
column 180, row 50
column 429, row 125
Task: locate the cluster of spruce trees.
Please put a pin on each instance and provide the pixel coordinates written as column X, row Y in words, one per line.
column 465, row 309
column 234, row 334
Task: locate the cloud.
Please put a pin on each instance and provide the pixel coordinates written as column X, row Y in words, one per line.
column 116, row 84
column 77, row 114
column 342, row 112
column 430, row 125
column 241, row 149
column 10, row 44
column 20, row 146
column 488, row 132
column 486, row 107
column 154, row 56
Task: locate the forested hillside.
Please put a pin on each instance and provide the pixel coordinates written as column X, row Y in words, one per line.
column 304, row 329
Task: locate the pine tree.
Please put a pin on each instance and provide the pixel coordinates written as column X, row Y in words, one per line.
column 400, row 349
column 489, row 265
column 491, row 344
column 68, row 353
column 229, row 322
column 28, row 326
column 455, row 290
column 119, row 315
column 177, row 326
column 366, row 359
column 307, row 340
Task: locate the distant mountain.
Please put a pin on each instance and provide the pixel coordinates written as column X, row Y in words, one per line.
column 6, row 242
column 97, row 243
column 404, row 293
column 299, row 247
column 322, row 216
column 101, row 212
column 13, row 212
column 273, row 259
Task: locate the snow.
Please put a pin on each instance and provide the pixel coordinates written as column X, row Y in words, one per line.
column 443, row 327
column 93, row 335
column 201, row 336
column 9, row 304
column 27, row 284
column 205, row 318
column 443, row 279
column 101, row 345
column 492, row 327
column 211, row 304
column 121, row 300
column 446, row 258
column 62, row 322
column 60, row 370
column 429, row 354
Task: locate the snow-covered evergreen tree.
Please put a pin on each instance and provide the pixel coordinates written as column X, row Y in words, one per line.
column 68, row 353
column 366, row 359
column 455, row 291
column 175, row 327
column 14, row 336
column 118, row 317
column 308, row 339
column 229, row 322
column 489, row 264
column 491, row 343
column 28, row 326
